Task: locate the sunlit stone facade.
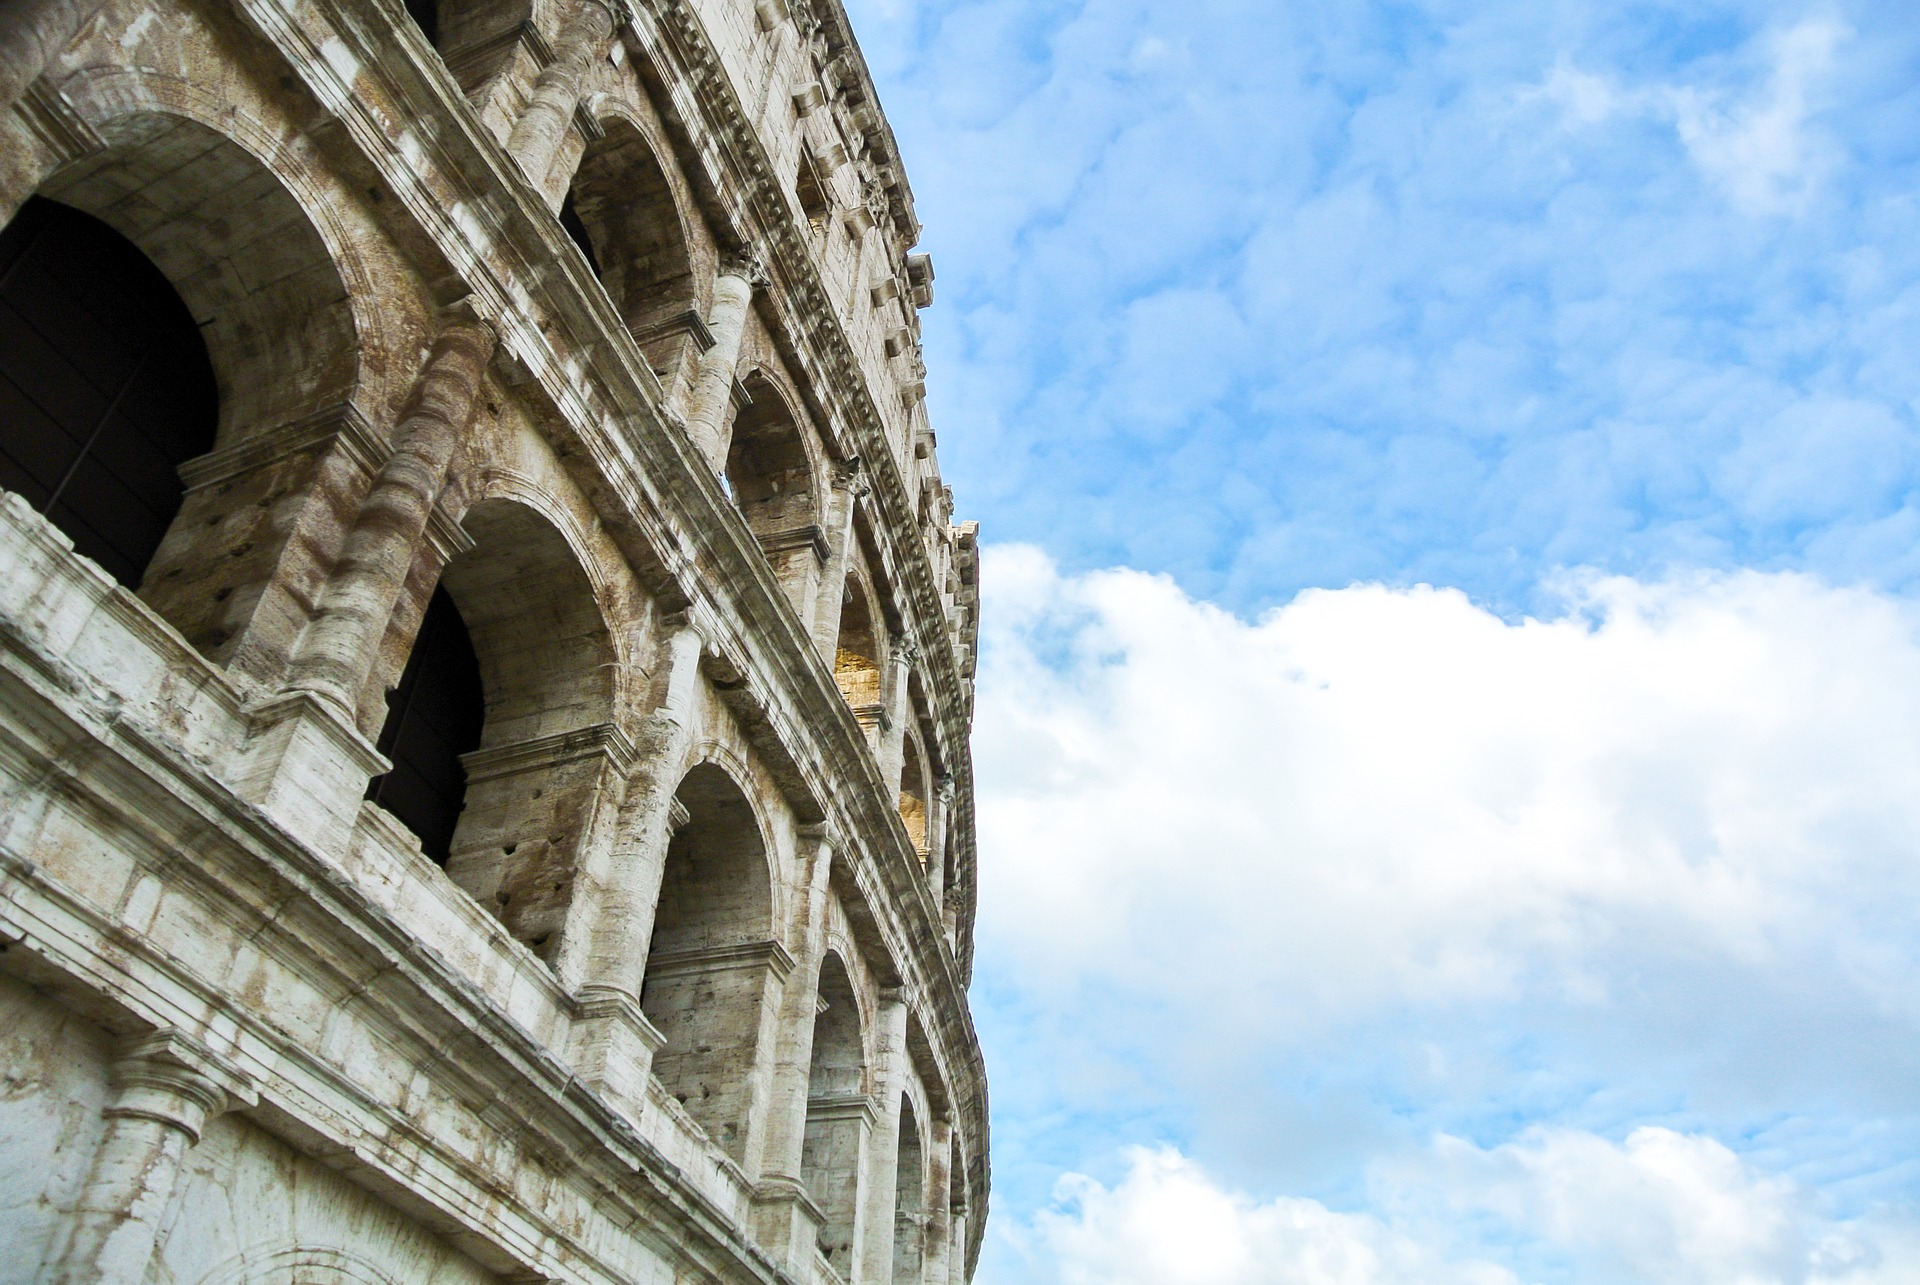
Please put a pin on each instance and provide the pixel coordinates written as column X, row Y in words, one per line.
column 485, row 655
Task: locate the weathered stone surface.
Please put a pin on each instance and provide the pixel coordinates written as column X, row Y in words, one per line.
column 603, row 318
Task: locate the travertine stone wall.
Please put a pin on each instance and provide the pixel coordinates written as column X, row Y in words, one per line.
column 603, row 317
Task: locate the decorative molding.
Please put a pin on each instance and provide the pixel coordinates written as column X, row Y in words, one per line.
column 447, row 538
column 344, row 423
column 801, row 537
column 770, row 955
column 680, row 323
column 858, row 1107
column 601, row 739
column 55, row 123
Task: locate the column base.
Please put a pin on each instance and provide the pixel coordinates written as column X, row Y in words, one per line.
column 612, row 1046
column 787, row 1223
column 306, row 766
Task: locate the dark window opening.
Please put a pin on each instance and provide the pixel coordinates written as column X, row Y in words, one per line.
column 570, row 220
column 814, row 202
column 105, row 385
column 433, row 717
column 426, row 16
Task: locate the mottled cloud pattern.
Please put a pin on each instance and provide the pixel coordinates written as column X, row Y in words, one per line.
column 1450, row 710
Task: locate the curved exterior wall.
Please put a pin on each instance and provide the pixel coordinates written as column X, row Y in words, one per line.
column 685, row 496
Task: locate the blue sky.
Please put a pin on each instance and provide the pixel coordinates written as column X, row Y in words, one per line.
column 1450, row 711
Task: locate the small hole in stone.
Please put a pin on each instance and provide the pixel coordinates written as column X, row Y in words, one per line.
column 221, row 595
column 541, row 940
column 510, row 848
column 500, row 897
column 243, row 549
column 538, row 793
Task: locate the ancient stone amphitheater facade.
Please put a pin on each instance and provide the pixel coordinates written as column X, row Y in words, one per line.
column 485, row 657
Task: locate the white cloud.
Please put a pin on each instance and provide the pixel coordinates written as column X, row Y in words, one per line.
column 1755, row 141
column 1169, row 1223
column 1762, row 151
column 1396, row 794
column 1662, row 1208
column 1676, row 804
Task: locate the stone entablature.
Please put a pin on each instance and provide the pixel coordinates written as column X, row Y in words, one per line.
column 668, row 452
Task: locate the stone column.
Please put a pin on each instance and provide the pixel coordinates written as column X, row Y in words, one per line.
column 939, row 1214
column 849, row 483
column 32, row 34
column 939, row 807
column 712, row 393
column 161, row 1103
column 899, row 711
column 613, row 1043
column 549, row 112
column 785, row 1217
column 875, row 1266
column 336, row 653
column 957, row 1248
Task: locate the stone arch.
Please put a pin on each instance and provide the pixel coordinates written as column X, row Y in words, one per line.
column 105, row 385
column 860, row 652
column 623, row 212
column 839, row 1111
column 549, row 756
column 909, row 1197
column 236, row 219
column 298, row 1265
column 714, row 970
column 772, row 476
column 916, row 790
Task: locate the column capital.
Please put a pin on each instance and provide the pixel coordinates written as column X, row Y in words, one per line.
column 170, row 1078
column 850, row 474
column 747, row 265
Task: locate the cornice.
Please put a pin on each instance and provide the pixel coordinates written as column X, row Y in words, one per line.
column 306, row 909
column 813, row 329
column 558, row 325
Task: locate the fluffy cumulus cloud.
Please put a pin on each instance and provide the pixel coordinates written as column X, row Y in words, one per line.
column 1660, row 1208
column 1274, row 295
column 1579, row 946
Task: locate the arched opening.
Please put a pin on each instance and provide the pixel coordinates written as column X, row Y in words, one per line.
column 712, row 957
column 434, row 717
column 261, row 288
column 771, row 480
column 915, row 789
column 546, row 754
column 838, row 1114
column 856, row 658
column 621, row 211
column 105, row 385
column 576, row 230
column 909, row 1200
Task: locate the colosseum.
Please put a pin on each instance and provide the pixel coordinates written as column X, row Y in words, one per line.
column 486, row 657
